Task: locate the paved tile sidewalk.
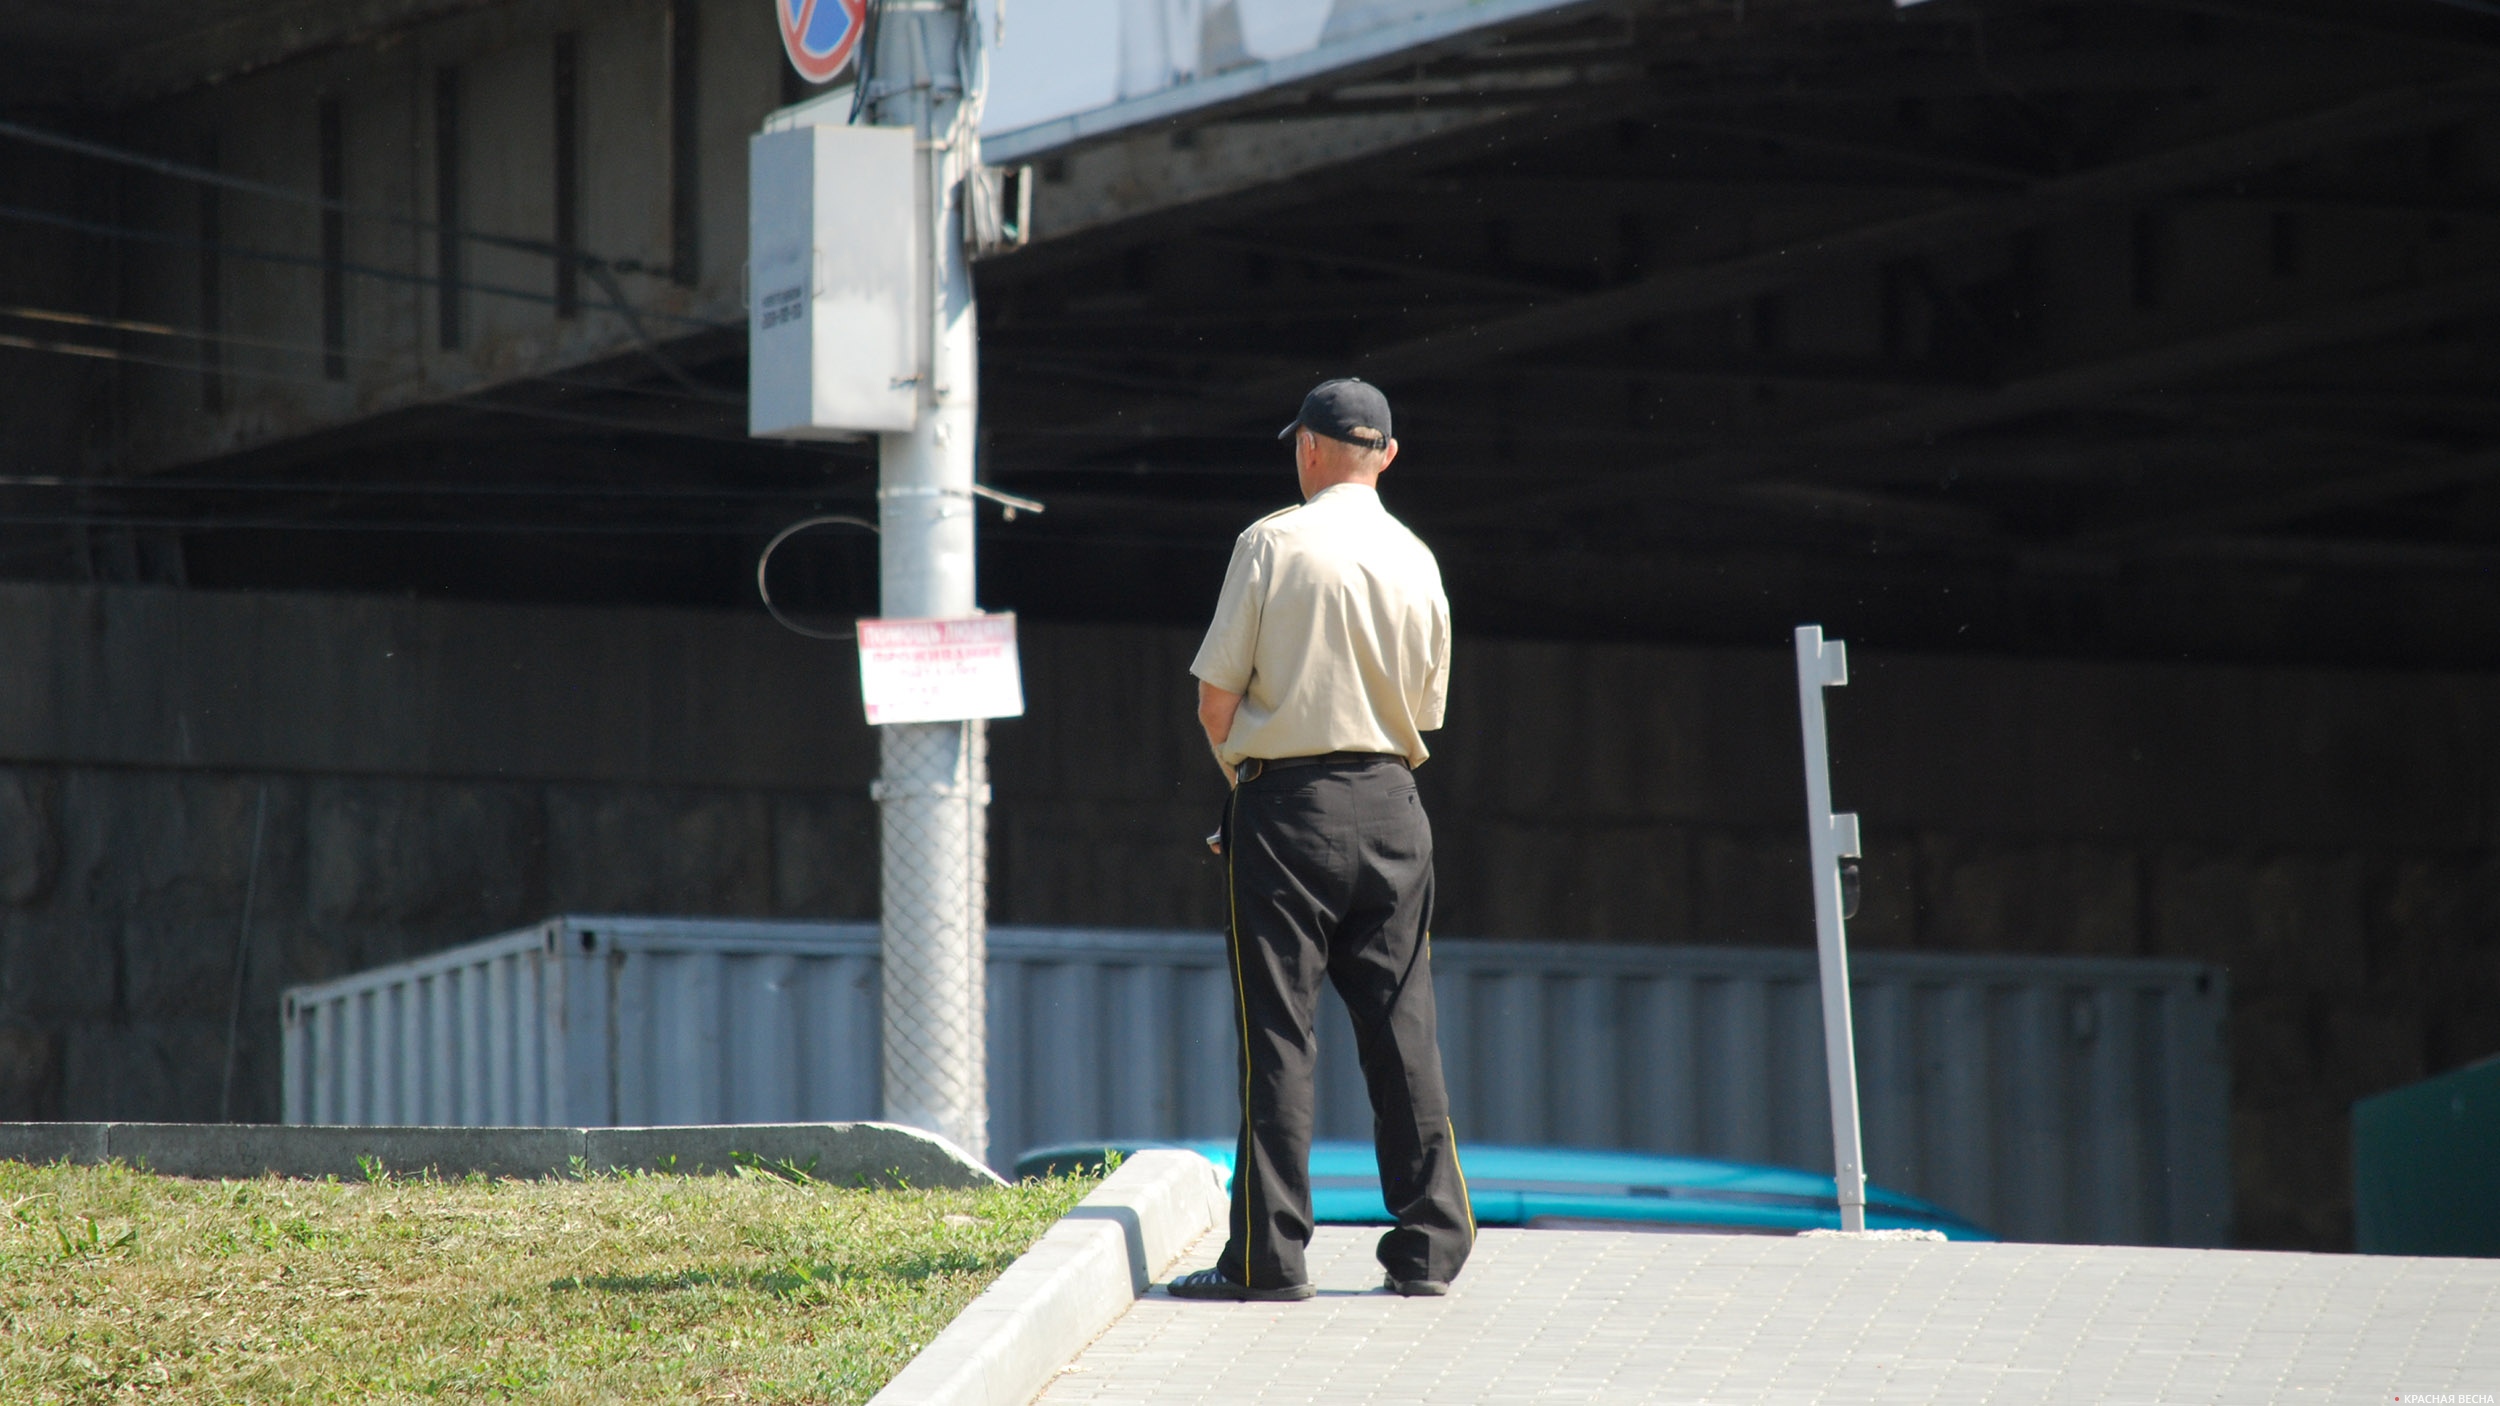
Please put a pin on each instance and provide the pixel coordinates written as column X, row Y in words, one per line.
column 1551, row 1317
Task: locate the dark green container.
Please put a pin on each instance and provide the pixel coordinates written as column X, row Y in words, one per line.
column 2426, row 1166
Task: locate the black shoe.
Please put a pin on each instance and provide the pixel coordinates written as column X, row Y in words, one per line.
column 1418, row 1288
column 1211, row 1284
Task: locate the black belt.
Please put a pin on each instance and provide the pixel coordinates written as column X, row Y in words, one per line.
column 1252, row 768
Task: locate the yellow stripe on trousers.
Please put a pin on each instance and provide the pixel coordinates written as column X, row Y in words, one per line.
column 1241, row 1009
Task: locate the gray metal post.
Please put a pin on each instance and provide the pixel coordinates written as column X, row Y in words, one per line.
column 1824, row 664
column 924, row 73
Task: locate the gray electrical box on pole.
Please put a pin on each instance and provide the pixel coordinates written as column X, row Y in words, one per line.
column 832, row 282
column 918, row 86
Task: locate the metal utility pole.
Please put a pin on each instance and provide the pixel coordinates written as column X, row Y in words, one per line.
column 921, row 69
column 1824, row 664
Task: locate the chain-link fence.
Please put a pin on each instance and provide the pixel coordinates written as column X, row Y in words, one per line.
column 934, row 798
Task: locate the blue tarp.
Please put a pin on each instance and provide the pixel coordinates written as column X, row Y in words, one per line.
column 1576, row 1188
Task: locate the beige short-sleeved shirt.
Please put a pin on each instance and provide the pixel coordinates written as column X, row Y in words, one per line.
column 1333, row 628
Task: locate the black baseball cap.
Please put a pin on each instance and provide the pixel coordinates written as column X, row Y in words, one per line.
column 1344, row 409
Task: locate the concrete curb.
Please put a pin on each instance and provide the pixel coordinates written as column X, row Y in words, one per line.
column 1075, row 1282
column 875, row 1154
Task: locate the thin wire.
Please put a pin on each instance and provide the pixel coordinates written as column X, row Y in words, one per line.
column 165, row 329
column 182, row 170
column 1148, row 542
column 602, row 270
column 146, row 236
column 160, row 329
column 114, row 354
column 562, row 417
column 498, row 528
column 403, row 490
column 703, row 397
column 568, row 417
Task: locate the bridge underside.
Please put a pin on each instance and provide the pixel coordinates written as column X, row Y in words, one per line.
column 2155, row 329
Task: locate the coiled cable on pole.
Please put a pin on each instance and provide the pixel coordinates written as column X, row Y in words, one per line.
column 764, row 588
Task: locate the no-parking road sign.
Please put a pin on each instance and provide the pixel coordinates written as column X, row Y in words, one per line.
column 821, row 35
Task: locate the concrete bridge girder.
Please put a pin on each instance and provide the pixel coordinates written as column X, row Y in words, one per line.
column 456, row 116
column 2081, row 280
column 423, row 113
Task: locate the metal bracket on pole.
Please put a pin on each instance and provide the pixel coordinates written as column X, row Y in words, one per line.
column 1830, row 838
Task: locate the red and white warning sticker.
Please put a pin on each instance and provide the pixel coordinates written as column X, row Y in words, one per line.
column 940, row 671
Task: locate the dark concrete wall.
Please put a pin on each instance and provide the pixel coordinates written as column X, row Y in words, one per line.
column 432, row 774
column 48, row 400
column 436, row 773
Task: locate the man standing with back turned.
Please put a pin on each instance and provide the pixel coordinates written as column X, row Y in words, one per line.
column 1328, row 659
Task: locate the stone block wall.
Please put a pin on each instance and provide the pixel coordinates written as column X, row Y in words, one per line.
column 429, row 775
column 436, row 773
column 123, row 899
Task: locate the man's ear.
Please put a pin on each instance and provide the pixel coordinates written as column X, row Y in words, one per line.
column 1388, row 454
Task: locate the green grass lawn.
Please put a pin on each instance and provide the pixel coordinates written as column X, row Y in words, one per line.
column 120, row 1286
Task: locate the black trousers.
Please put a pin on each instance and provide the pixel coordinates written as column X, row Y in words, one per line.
column 1329, row 872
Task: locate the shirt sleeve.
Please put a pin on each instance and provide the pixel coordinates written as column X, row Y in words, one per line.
column 1437, row 683
column 1232, row 641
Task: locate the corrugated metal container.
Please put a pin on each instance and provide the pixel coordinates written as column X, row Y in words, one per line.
column 2047, row 1098
column 589, row 1022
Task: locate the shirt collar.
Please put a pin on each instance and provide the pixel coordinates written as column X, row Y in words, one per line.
column 1348, row 495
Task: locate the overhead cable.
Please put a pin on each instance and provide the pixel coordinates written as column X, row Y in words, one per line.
column 92, row 352
column 703, row 395
column 190, row 334
column 565, row 417
column 181, row 170
column 602, row 270
column 410, row 490
column 422, row 280
column 96, row 353
column 575, row 417
column 502, row 527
